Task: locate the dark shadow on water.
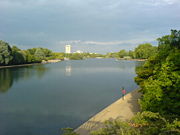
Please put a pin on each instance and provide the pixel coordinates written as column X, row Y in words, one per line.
column 10, row 75
column 6, row 80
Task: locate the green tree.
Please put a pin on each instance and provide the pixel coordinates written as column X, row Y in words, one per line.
column 18, row 56
column 5, row 53
column 56, row 55
column 122, row 53
column 32, row 51
column 144, row 51
column 76, row 56
column 159, row 78
column 131, row 54
column 39, row 54
column 47, row 52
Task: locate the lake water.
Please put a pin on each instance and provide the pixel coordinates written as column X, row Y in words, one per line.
column 42, row 99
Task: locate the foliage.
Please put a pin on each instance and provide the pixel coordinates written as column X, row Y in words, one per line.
column 5, row 53
column 18, row 56
column 116, row 127
column 56, row 55
column 145, row 123
column 144, row 51
column 159, row 78
column 39, row 54
column 149, row 123
column 122, row 53
column 131, row 54
column 68, row 131
column 76, row 56
column 80, row 56
column 14, row 56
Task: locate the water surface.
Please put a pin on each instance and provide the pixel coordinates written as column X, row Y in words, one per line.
column 42, row 99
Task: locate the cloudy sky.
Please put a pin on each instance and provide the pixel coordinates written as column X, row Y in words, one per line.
column 88, row 25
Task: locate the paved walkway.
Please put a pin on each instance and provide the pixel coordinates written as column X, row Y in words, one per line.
column 121, row 109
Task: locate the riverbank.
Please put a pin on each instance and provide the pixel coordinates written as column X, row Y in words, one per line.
column 132, row 59
column 24, row 65
column 120, row 109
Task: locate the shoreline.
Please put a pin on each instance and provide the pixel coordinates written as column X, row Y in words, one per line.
column 120, row 109
column 21, row 65
column 32, row 64
column 132, row 59
column 55, row 61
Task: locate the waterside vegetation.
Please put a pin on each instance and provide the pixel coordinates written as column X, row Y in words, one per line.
column 159, row 80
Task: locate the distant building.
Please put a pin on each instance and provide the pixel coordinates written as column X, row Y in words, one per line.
column 68, row 49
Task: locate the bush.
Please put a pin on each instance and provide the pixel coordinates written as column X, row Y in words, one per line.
column 145, row 123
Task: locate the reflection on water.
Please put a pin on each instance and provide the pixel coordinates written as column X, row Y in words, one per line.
column 68, row 70
column 10, row 75
column 6, row 80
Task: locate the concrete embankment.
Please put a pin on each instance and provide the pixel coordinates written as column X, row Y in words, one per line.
column 121, row 109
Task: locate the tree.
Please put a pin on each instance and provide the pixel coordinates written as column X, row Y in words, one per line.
column 122, row 53
column 5, row 53
column 144, row 51
column 32, row 51
column 56, row 55
column 131, row 54
column 39, row 54
column 18, row 56
column 47, row 52
column 159, row 78
column 76, row 56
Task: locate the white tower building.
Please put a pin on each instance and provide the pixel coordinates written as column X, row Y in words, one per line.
column 68, row 49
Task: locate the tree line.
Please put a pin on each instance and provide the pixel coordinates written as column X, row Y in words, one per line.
column 14, row 55
column 142, row 51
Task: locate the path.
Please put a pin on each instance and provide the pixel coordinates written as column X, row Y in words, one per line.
column 122, row 109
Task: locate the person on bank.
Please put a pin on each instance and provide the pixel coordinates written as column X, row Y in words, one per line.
column 123, row 91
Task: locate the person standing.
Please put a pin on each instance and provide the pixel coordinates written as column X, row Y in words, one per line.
column 123, row 92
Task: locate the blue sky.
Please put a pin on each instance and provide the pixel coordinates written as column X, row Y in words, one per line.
column 89, row 25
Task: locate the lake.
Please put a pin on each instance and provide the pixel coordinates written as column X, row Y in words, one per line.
column 42, row 99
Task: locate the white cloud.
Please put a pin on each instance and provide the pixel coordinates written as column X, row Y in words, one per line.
column 158, row 2
column 132, row 41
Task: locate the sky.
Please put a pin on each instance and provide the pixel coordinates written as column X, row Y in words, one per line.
column 89, row 25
